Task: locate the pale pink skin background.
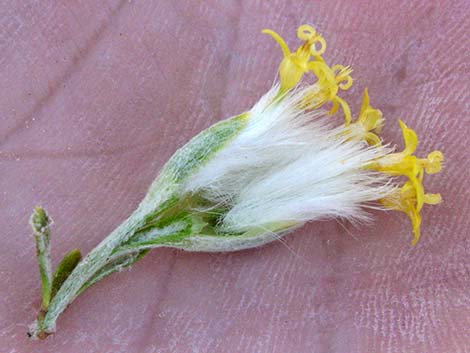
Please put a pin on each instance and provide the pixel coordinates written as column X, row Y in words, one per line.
column 95, row 98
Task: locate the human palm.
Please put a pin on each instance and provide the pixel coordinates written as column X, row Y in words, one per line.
column 97, row 96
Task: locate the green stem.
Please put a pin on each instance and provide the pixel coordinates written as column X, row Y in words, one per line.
column 170, row 230
column 93, row 262
column 40, row 222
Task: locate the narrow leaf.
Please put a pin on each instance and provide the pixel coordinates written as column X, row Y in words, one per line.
column 65, row 268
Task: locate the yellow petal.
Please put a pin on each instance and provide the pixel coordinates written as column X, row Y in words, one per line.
column 407, row 205
column 410, row 137
column 279, row 40
column 290, row 74
column 419, row 192
column 346, row 109
column 365, row 102
column 370, row 118
column 408, row 192
column 416, row 221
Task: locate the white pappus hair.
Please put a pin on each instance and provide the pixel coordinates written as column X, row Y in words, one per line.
column 290, row 165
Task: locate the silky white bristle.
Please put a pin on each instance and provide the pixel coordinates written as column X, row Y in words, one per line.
column 290, row 165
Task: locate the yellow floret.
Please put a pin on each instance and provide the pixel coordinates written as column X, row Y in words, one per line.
column 405, row 200
column 368, row 124
column 330, row 81
column 405, row 163
column 411, row 196
column 295, row 65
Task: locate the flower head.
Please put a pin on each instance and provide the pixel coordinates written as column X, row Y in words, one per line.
column 282, row 163
column 289, row 165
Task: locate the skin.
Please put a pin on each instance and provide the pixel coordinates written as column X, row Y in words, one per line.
column 96, row 96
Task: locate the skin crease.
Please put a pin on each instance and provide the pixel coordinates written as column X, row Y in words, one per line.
column 96, row 96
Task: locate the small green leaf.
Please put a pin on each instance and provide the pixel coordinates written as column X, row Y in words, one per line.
column 65, row 268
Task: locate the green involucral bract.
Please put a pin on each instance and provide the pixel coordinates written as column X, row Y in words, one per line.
column 190, row 158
